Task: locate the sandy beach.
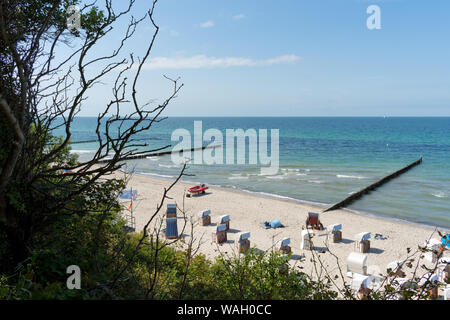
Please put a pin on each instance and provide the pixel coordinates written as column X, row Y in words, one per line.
column 248, row 210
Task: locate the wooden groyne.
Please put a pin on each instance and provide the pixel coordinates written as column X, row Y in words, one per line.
column 157, row 154
column 373, row 186
column 90, row 141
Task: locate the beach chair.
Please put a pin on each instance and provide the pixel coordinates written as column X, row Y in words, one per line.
column 205, row 217
column 394, row 269
column 335, row 231
column 306, row 240
column 243, row 242
column 362, row 242
column 447, row 292
column 400, row 284
column 430, row 282
column 445, row 262
column 356, row 264
column 171, row 211
column 360, row 285
column 433, row 245
column 220, row 236
column 225, row 219
column 313, row 221
column 284, row 245
column 171, row 228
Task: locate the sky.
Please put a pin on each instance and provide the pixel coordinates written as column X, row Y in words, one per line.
column 291, row 58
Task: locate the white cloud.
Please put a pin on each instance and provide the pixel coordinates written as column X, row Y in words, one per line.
column 207, row 24
column 202, row 61
column 239, row 16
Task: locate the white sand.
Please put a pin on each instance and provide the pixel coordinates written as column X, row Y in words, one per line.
column 248, row 210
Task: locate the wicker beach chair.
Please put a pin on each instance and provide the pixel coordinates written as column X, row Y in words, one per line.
column 430, row 282
column 243, row 242
column 335, row 231
column 205, row 217
column 313, row 221
column 284, row 245
column 225, row 219
column 362, row 242
column 306, row 240
column 220, row 236
column 433, row 245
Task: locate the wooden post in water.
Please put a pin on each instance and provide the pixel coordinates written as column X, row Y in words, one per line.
column 373, row 186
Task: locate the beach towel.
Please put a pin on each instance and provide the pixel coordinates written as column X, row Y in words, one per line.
column 271, row 224
column 378, row 236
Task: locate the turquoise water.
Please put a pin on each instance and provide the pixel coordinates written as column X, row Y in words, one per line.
column 323, row 160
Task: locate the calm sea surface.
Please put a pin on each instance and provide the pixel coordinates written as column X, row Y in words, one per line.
column 322, row 160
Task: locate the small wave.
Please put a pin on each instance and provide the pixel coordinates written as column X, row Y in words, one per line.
column 349, row 177
column 238, row 178
column 273, row 195
column 156, row 175
column 169, row 165
column 301, row 174
column 152, row 158
column 275, row 177
column 315, row 181
column 440, row 195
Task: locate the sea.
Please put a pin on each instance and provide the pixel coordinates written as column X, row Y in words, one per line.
column 322, row 160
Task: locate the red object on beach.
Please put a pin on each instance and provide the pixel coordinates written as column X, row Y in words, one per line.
column 198, row 189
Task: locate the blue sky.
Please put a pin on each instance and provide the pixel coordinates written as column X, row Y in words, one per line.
column 294, row 58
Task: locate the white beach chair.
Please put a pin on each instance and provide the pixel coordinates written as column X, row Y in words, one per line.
column 443, row 269
column 399, row 284
column 306, row 240
column 431, row 281
column 356, row 264
column 394, row 269
column 225, row 219
column 447, row 293
column 434, row 245
column 360, row 285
